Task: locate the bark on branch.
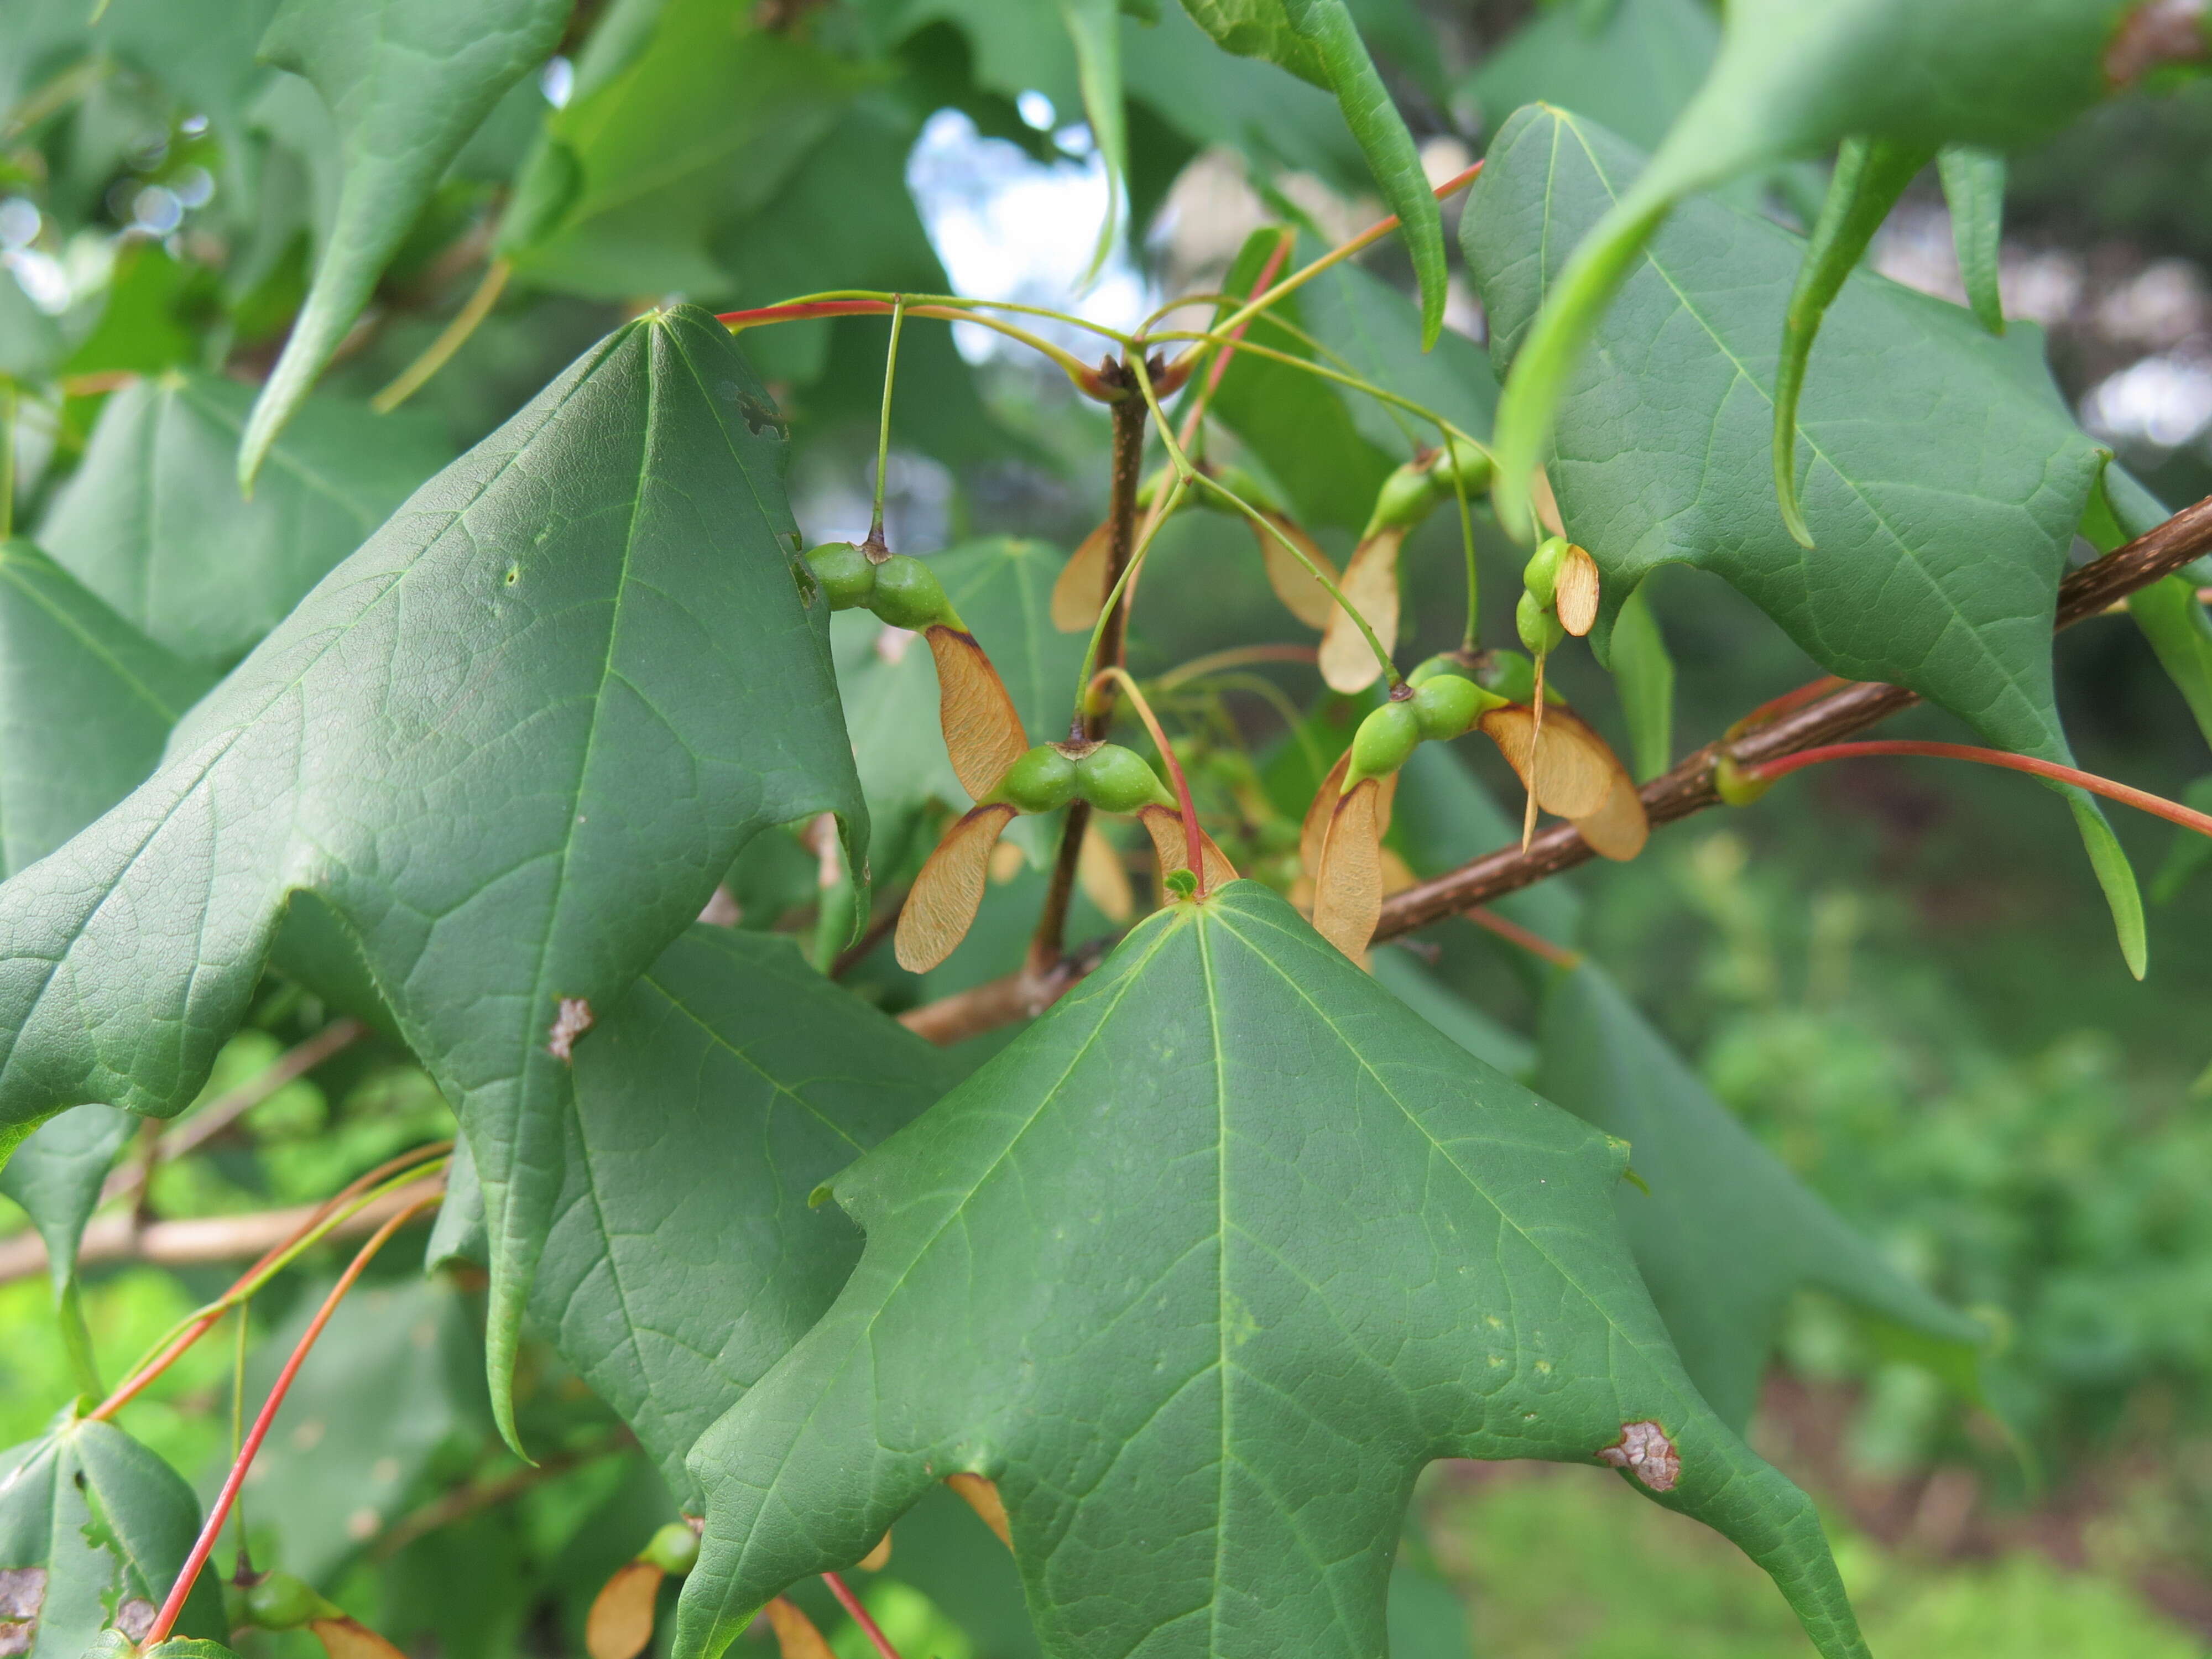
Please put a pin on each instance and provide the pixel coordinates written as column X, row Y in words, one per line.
column 197, row 1243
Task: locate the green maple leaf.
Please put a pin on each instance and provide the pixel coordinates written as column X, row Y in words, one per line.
column 1943, row 476
column 1723, row 1233
column 683, row 1259
column 93, row 1528
column 1201, row 1271
column 153, row 522
column 407, row 81
column 512, row 745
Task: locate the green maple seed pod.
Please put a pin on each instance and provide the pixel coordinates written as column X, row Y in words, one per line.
column 1116, row 780
column 908, row 595
column 1149, row 491
column 1448, row 704
column 1541, row 631
column 1042, row 780
column 1403, row 501
column 1471, row 463
column 1383, row 741
column 844, row 572
column 1463, row 664
column 280, row 1601
column 674, row 1549
column 1509, row 675
column 1541, row 572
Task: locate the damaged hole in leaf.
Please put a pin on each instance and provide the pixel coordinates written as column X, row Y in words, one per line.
column 571, row 1022
column 1644, row 1452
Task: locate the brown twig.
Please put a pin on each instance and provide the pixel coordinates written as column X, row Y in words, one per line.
column 1687, row 789
column 1094, row 717
column 477, row 1496
column 199, row 1243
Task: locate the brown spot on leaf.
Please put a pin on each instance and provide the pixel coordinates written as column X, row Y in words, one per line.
column 135, row 1617
column 573, row 1020
column 1370, row 584
column 2156, row 34
column 982, row 731
column 22, row 1590
column 983, row 1497
column 795, row 1635
column 620, row 1623
column 942, row 904
column 1294, row 584
column 1644, row 1452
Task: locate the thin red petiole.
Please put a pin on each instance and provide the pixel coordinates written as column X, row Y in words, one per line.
column 1221, row 365
column 166, row 1620
column 851, row 1603
column 1514, row 933
column 2141, row 799
column 130, row 1388
column 1190, row 836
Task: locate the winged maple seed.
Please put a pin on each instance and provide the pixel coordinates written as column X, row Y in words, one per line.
column 1303, row 596
column 941, row 906
column 1348, row 663
column 1575, row 592
column 620, row 1623
column 349, row 1638
column 982, row 733
column 1348, row 885
column 1171, row 848
column 796, row 1636
column 1573, row 775
column 1080, row 591
column 982, row 1496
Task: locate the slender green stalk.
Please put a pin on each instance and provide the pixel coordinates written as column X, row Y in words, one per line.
column 1342, row 378
column 195, row 1325
column 1161, row 509
column 884, row 426
column 77, row 1338
column 1185, row 471
column 238, row 1423
column 1466, row 542
column 7, row 458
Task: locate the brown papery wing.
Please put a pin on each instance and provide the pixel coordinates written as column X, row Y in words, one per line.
column 982, row 733
column 1164, row 825
column 1294, row 584
column 1348, row 890
column 796, row 1636
column 1370, row 584
column 1080, row 593
column 1575, row 592
column 941, row 906
column 1573, row 768
column 349, row 1638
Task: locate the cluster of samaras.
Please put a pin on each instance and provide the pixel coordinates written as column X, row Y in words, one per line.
column 1565, row 767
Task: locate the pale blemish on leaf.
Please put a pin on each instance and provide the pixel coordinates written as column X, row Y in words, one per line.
column 1644, row 1452
column 573, row 1019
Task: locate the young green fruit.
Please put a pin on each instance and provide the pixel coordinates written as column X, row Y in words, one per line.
column 1508, row 674
column 1541, row 631
column 1403, row 501
column 674, row 1549
column 1042, row 780
column 1116, row 780
column 1383, row 741
column 1448, row 704
column 844, row 572
column 280, row 1601
column 1541, row 572
column 1470, row 462
column 908, row 595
